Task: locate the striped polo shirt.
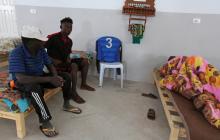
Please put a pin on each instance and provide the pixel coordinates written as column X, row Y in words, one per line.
column 21, row 61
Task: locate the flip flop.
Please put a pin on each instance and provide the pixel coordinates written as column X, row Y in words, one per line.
column 151, row 114
column 49, row 132
column 150, row 95
column 74, row 110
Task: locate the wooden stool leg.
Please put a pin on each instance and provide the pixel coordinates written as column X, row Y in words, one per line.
column 20, row 125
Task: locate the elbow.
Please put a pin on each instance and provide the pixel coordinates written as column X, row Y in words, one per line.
column 20, row 78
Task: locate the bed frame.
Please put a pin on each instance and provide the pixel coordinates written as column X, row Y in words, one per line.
column 176, row 123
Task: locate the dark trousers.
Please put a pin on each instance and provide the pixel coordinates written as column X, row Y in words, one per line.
column 35, row 92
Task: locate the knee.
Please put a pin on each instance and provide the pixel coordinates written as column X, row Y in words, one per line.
column 74, row 67
column 33, row 88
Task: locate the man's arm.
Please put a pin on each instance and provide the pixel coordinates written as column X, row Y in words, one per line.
column 48, row 61
column 55, row 61
column 52, row 69
column 49, row 45
column 26, row 79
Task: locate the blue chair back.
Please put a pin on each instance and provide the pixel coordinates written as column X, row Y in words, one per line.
column 108, row 49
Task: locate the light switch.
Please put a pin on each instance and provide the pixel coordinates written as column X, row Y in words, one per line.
column 196, row 20
column 33, row 11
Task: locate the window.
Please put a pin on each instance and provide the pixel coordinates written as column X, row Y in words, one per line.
column 8, row 26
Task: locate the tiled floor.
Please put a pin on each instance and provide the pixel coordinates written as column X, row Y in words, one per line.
column 110, row 113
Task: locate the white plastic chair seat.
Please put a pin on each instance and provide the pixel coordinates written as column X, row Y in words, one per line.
column 115, row 65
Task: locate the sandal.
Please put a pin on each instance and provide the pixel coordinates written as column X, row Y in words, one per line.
column 49, row 132
column 151, row 114
column 75, row 110
column 150, row 95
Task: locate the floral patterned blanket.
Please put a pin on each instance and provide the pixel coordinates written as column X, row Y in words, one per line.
column 194, row 78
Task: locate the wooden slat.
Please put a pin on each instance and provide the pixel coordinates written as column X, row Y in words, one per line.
column 182, row 133
column 172, row 108
column 8, row 115
column 175, row 113
column 174, row 133
column 176, row 118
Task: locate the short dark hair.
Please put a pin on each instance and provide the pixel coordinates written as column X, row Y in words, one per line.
column 66, row 20
column 171, row 57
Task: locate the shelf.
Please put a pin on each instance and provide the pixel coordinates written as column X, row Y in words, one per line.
column 140, row 9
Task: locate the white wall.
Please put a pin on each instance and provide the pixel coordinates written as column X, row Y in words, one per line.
column 189, row 6
column 166, row 34
column 182, row 6
column 88, row 4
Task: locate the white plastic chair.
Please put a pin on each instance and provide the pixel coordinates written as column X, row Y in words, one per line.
column 108, row 45
column 104, row 65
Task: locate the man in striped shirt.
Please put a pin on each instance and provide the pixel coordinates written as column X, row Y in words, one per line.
column 26, row 63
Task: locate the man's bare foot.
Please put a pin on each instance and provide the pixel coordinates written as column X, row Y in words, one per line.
column 78, row 99
column 87, row 87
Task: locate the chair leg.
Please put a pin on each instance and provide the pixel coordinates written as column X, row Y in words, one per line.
column 115, row 74
column 20, row 125
column 122, row 77
column 102, row 70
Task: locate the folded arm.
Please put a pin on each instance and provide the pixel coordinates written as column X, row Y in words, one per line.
column 26, row 79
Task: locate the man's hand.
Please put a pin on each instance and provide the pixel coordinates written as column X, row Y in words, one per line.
column 56, row 81
column 83, row 55
column 62, row 80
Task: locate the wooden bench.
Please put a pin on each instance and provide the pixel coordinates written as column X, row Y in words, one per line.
column 176, row 123
column 19, row 118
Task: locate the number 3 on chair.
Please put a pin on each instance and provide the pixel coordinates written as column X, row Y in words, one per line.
column 109, row 41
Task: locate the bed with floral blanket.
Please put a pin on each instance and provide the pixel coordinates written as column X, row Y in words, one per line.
column 198, row 81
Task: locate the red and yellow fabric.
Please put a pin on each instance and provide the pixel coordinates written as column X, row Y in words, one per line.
column 194, row 78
